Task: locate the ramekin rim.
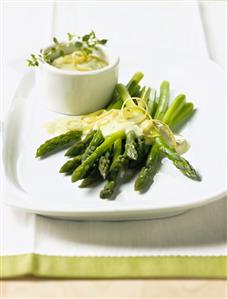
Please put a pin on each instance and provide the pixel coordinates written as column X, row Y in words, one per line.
column 110, row 66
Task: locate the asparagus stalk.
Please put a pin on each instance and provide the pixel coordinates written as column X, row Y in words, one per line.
column 125, row 95
column 174, row 109
column 57, row 143
column 95, row 142
column 117, row 148
column 111, row 183
column 153, row 162
column 108, row 189
column 148, row 172
column 81, row 171
column 132, row 88
column 135, row 92
column 182, row 164
column 142, row 149
column 136, row 78
column 142, row 91
column 70, row 165
column 184, row 115
column 152, row 103
column 145, row 94
column 163, row 100
column 92, row 178
column 80, row 146
column 130, row 146
column 104, row 164
column 118, row 165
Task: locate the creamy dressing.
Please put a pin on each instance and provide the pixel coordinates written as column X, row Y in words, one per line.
column 115, row 126
column 182, row 145
column 111, row 121
column 65, row 124
column 79, row 61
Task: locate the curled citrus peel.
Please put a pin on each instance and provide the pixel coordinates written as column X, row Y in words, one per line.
column 136, row 112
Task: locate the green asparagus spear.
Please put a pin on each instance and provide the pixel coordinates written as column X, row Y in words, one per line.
column 133, row 89
column 152, row 104
column 92, row 178
column 125, row 95
column 153, row 162
column 104, row 164
column 108, row 189
column 81, row 171
column 184, row 115
column 148, row 172
column 115, row 169
column 174, row 109
column 177, row 160
column 71, row 165
column 142, row 149
column 130, row 146
column 118, row 165
column 133, row 85
column 79, row 147
column 137, row 77
column 117, row 149
column 145, row 94
column 95, row 142
column 142, row 90
column 134, row 92
column 57, row 143
column 163, row 100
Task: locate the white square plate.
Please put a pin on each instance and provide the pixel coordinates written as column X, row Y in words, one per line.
column 36, row 186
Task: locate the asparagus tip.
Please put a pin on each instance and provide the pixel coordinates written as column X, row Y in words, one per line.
column 73, row 179
column 37, row 155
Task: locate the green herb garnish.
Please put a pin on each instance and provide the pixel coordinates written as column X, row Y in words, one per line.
column 86, row 44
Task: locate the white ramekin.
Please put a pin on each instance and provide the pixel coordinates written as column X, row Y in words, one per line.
column 75, row 92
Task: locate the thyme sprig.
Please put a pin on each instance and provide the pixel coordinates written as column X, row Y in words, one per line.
column 86, row 44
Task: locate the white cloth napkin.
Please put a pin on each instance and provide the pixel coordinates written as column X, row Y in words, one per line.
column 171, row 25
column 199, row 232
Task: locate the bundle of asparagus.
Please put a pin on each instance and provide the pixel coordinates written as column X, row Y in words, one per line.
column 97, row 157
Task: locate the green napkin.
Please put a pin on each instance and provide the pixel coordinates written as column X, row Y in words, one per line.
column 114, row 267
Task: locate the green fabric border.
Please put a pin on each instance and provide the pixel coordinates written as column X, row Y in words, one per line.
column 114, row 267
